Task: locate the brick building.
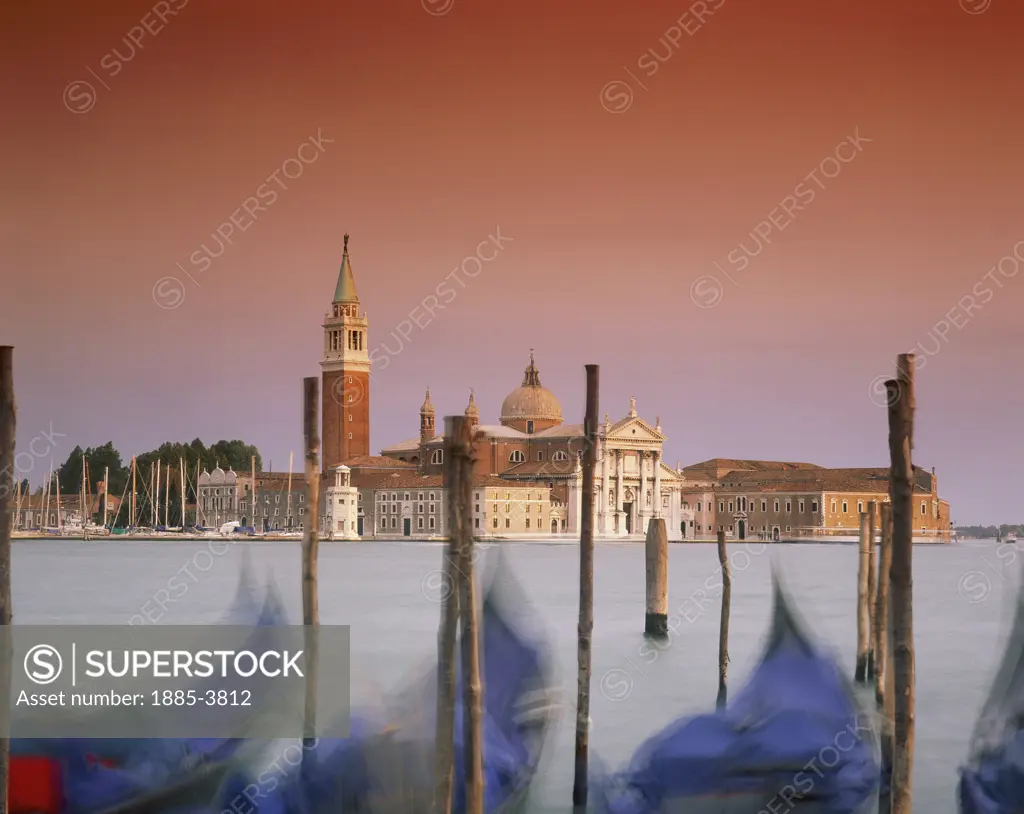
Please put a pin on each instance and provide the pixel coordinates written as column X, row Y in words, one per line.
column 783, row 500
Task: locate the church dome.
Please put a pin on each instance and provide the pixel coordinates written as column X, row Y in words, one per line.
column 531, row 401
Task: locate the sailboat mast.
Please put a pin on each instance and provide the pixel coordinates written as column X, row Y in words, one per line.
column 167, row 498
column 156, row 495
column 198, row 464
column 182, row 460
column 83, row 493
column 254, row 493
column 288, row 505
column 17, row 501
column 59, row 519
column 106, row 494
column 46, row 504
column 131, row 519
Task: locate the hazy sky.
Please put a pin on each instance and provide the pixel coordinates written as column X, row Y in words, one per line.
column 832, row 179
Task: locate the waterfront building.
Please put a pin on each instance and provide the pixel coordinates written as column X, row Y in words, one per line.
column 341, row 510
column 783, row 500
column 531, row 443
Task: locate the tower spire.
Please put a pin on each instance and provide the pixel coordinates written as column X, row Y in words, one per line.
column 345, row 291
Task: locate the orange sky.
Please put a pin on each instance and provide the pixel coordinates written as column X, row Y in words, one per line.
column 438, row 128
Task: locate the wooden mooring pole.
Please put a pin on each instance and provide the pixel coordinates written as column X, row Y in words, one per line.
column 8, row 415
column 462, row 461
column 310, row 545
column 883, row 646
column 656, row 616
column 447, row 634
column 872, row 590
column 901, row 400
column 585, row 629
column 723, row 628
column 863, row 616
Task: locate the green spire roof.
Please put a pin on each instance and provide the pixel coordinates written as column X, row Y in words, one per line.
column 346, row 289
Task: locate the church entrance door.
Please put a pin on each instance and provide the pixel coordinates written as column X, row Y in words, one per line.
column 627, row 508
column 742, row 525
column 554, row 526
column 407, row 524
column 359, row 525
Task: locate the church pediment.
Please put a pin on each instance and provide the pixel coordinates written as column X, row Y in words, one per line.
column 633, row 430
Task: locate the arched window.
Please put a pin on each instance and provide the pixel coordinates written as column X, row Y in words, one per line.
column 437, row 456
column 560, row 455
column 517, row 457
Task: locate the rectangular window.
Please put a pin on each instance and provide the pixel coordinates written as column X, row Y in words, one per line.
column 833, row 507
column 419, row 508
column 476, row 522
column 730, row 505
column 721, row 506
column 477, row 510
column 814, row 506
column 495, row 522
column 508, row 523
column 922, row 508
column 302, row 511
column 776, row 507
column 394, row 522
column 431, row 495
column 789, row 528
column 406, row 495
column 527, row 522
column 277, row 498
column 431, row 523
column 845, row 507
column 419, row 522
column 764, row 505
column 383, row 522
column 789, row 506
column 420, row 497
column 860, row 506
column 277, row 512
column 698, row 506
column 801, row 506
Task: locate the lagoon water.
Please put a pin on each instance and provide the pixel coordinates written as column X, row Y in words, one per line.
column 388, row 593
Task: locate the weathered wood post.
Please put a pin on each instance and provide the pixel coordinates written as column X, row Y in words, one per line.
column 310, row 545
column 444, row 743
column 901, row 400
column 462, row 461
column 872, row 591
column 723, row 630
column 656, row 618
column 8, row 413
column 883, row 647
column 586, row 623
column 863, row 616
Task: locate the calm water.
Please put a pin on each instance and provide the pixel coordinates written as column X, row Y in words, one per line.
column 387, row 592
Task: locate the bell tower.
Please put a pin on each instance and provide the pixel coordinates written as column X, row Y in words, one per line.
column 345, row 395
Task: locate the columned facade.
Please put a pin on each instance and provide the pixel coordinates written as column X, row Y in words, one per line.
column 632, row 484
